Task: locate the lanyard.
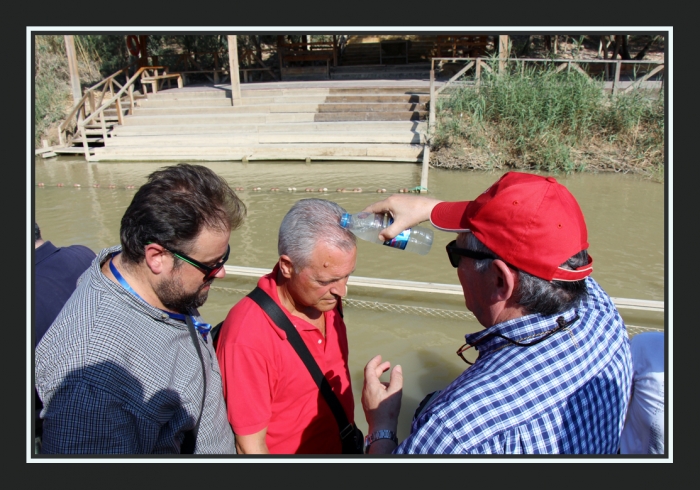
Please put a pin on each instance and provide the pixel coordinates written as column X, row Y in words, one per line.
column 202, row 327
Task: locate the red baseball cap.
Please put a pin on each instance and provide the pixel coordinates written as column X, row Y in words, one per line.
column 530, row 221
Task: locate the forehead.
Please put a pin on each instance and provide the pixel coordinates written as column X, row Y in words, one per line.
column 329, row 261
column 211, row 243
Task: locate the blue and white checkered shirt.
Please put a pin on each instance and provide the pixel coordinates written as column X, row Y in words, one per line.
column 565, row 395
column 118, row 376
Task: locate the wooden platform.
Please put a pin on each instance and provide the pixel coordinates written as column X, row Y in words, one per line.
column 373, row 120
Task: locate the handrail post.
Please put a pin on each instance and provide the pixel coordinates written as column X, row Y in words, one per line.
column 233, row 68
column 86, row 148
column 119, row 103
column 104, row 127
column 424, row 169
column 431, row 117
column 618, row 63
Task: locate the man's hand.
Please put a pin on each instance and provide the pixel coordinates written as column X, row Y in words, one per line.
column 407, row 211
column 382, row 401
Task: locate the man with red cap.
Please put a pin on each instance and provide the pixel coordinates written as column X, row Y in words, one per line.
column 553, row 372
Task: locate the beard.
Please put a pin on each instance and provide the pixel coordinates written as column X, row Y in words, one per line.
column 173, row 295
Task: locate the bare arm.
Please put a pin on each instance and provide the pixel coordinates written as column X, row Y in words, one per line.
column 381, row 402
column 407, row 211
column 252, row 444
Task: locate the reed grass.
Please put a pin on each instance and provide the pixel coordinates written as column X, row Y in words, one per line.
column 539, row 119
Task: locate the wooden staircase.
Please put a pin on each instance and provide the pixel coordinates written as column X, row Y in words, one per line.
column 299, row 122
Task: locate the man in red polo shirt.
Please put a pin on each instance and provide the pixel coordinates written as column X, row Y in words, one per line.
column 274, row 405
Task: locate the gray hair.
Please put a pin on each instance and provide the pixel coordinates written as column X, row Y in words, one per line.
column 309, row 222
column 534, row 294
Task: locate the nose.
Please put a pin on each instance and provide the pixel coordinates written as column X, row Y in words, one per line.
column 340, row 288
column 221, row 273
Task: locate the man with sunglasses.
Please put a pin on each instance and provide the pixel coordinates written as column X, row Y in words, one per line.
column 553, row 372
column 128, row 366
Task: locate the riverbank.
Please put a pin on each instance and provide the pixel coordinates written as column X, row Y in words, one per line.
column 596, row 157
column 549, row 121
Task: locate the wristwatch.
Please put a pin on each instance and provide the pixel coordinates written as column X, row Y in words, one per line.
column 379, row 434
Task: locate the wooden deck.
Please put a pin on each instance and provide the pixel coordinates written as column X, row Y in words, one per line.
column 326, row 120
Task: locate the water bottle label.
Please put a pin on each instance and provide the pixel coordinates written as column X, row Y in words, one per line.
column 399, row 241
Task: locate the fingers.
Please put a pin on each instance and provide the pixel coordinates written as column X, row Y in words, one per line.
column 407, row 211
column 395, row 380
column 378, row 207
column 375, row 367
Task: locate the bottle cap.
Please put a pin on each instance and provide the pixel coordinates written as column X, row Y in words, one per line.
column 345, row 220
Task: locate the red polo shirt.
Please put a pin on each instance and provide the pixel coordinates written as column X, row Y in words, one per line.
column 266, row 384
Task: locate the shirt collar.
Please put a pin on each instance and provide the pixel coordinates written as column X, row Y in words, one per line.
column 523, row 329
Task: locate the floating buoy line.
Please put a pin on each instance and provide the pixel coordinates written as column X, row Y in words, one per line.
column 380, row 190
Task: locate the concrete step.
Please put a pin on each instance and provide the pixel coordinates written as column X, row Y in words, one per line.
column 372, row 116
column 285, row 151
column 190, row 102
column 320, row 99
column 313, row 127
column 244, row 109
column 371, row 107
column 271, row 118
column 384, row 90
column 379, row 98
column 259, row 118
column 404, row 137
column 189, row 93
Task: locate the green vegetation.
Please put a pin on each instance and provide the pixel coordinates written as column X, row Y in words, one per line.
column 52, row 87
column 100, row 56
column 540, row 119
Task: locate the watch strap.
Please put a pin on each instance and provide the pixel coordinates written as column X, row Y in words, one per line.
column 380, row 434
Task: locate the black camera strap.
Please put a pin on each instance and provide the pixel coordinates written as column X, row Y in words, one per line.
column 347, row 430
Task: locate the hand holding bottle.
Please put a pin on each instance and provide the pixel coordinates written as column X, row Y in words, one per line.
column 407, row 212
column 367, row 226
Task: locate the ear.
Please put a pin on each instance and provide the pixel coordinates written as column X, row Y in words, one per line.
column 286, row 266
column 156, row 258
column 504, row 280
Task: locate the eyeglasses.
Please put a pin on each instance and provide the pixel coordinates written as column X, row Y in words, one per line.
column 455, row 253
column 561, row 325
column 209, row 271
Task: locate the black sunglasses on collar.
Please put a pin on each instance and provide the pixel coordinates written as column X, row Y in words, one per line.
column 455, row 253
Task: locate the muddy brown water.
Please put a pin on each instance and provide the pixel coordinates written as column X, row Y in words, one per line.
column 625, row 215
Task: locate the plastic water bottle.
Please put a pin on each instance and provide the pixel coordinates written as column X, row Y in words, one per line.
column 368, row 225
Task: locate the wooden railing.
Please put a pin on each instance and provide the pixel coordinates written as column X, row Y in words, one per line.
column 86, row 105
column 610, row 69
column 99, row 98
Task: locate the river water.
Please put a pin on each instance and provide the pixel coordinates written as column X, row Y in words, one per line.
column 421, row 331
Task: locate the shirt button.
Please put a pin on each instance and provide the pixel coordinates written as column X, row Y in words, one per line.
column 319, row 341
column 164, row 316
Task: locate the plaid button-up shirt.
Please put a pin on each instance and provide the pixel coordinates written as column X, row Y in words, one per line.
column 118, row 376
column 567, row 394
